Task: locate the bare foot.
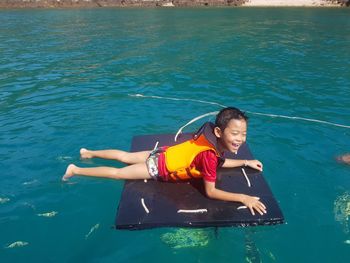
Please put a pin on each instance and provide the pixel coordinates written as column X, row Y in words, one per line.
column 85, row 153
column 344, row 158
column 69, row 172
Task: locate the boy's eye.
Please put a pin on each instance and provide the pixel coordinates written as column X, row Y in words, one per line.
column 237, row 133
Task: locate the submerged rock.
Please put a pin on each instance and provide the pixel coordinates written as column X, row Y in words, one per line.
column 18, row 244
column 186, row 238
column 342, row 210
column 252, row 253
column 49, row 214
column 4, row 200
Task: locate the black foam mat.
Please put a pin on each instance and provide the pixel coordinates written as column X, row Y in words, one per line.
column 163, row 200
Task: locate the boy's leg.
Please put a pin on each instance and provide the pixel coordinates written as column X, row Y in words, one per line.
column 134, row 171
column 121, row 156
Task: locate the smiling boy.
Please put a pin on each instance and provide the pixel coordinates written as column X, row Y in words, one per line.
column 196, row 158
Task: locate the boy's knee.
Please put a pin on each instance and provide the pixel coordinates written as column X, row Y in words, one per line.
column 116, row 174
column 124, row 157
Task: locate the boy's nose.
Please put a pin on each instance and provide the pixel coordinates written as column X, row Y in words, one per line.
column 239, row 139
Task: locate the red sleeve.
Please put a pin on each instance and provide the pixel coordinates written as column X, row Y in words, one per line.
column 207, row 162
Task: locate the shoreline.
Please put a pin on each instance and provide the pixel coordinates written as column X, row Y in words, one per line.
column 296, row 3
column 22, row 4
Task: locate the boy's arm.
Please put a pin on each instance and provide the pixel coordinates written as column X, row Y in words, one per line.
column 251, row 202
column 255, row 164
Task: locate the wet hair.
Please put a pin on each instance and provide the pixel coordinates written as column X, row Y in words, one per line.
column 227, row 114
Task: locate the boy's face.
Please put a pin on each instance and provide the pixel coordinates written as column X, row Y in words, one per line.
column 234, row 135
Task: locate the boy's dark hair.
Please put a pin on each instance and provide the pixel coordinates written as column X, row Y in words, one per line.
column 227, row 114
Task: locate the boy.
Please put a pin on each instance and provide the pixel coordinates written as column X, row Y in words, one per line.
column 196, row 158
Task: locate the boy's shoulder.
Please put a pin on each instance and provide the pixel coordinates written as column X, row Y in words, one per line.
column 209, row 156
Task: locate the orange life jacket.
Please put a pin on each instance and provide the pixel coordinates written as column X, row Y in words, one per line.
column 178, row 158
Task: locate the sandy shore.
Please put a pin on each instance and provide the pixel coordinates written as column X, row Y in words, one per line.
column 291, row 3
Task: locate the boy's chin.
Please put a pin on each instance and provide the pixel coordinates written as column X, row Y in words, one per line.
column 234, row 150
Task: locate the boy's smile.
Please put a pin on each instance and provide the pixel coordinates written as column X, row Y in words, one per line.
column 234, row 135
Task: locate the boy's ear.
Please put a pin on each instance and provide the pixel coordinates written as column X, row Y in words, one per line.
column 217, row 132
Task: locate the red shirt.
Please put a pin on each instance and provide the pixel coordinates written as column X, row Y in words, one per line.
column 206, row 162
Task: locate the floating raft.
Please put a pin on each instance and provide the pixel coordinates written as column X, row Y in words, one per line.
column 148, row 203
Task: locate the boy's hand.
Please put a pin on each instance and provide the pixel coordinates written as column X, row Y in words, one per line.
column 253, row 203
column 255, row 164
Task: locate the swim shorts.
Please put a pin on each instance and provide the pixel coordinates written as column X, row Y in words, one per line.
column 152, row 163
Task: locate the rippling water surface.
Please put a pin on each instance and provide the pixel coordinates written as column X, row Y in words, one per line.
column 66, row 77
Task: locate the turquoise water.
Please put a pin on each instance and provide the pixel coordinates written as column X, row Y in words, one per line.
column 66, row 80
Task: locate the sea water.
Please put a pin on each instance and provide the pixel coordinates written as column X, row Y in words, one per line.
column 68, row 79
